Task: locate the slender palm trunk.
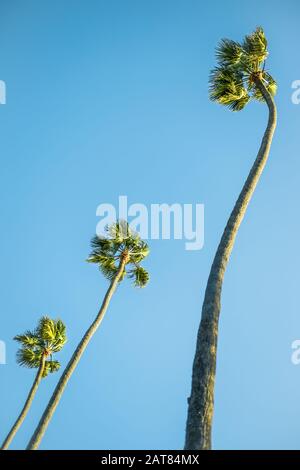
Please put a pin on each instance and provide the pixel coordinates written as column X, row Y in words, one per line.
column 201, row 400
column 27, row 405
column 66, row 375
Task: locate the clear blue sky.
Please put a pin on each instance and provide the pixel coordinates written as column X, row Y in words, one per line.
column 106, row 98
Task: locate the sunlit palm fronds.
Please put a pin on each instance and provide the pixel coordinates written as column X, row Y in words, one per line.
column 48, row 338
column 120, row 241
column 234, row 81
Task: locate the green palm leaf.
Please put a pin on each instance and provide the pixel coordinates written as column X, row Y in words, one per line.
column 227, row 88
column 50, row 367
column 255, row 46
column 29, row 358
column 229, row 52
column 140, row 276
column 27, row 339
column 46, row 329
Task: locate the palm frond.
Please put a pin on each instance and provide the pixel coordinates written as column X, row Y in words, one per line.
column 60, row 337
column 140, row 276
column 227, row 88
column 255, row 46
column 119, row 232
column 270, row 83
column 60, row 332
column 239, row 104
column 138, row 252
column 104, row 246
column 29, row 338
column 46, row 329
column 28, row 357
column 228, row 52
column 108, row 269
column 105, row 254
column 51, row 367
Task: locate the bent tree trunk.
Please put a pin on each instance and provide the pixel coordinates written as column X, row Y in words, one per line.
column 27, row 405
column 201, row 400
column 66, row 375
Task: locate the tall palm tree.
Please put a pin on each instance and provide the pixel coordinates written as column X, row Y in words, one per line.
column 113, row 253
column 37, row 348
column 239, row 77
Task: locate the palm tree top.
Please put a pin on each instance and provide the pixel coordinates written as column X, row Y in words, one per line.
column 47, row 339
column 233, row 82
column 120, row 242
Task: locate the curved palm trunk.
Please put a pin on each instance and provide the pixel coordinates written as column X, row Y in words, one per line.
column 54, row 400
column 201, row 401
column 26, row 407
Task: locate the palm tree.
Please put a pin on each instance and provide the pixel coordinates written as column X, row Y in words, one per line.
column 37, row 348
column 239, row 77
column 119, row 248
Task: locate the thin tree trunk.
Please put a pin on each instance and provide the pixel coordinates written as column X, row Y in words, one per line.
column 27, row 405
column 201, row 400
column 66, row 375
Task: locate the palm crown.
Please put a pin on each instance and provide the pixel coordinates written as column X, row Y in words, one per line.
column 233, row 82
column 48, row 338
column 118, row 243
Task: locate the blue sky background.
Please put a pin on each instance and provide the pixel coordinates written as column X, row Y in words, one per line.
column 107, row 98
